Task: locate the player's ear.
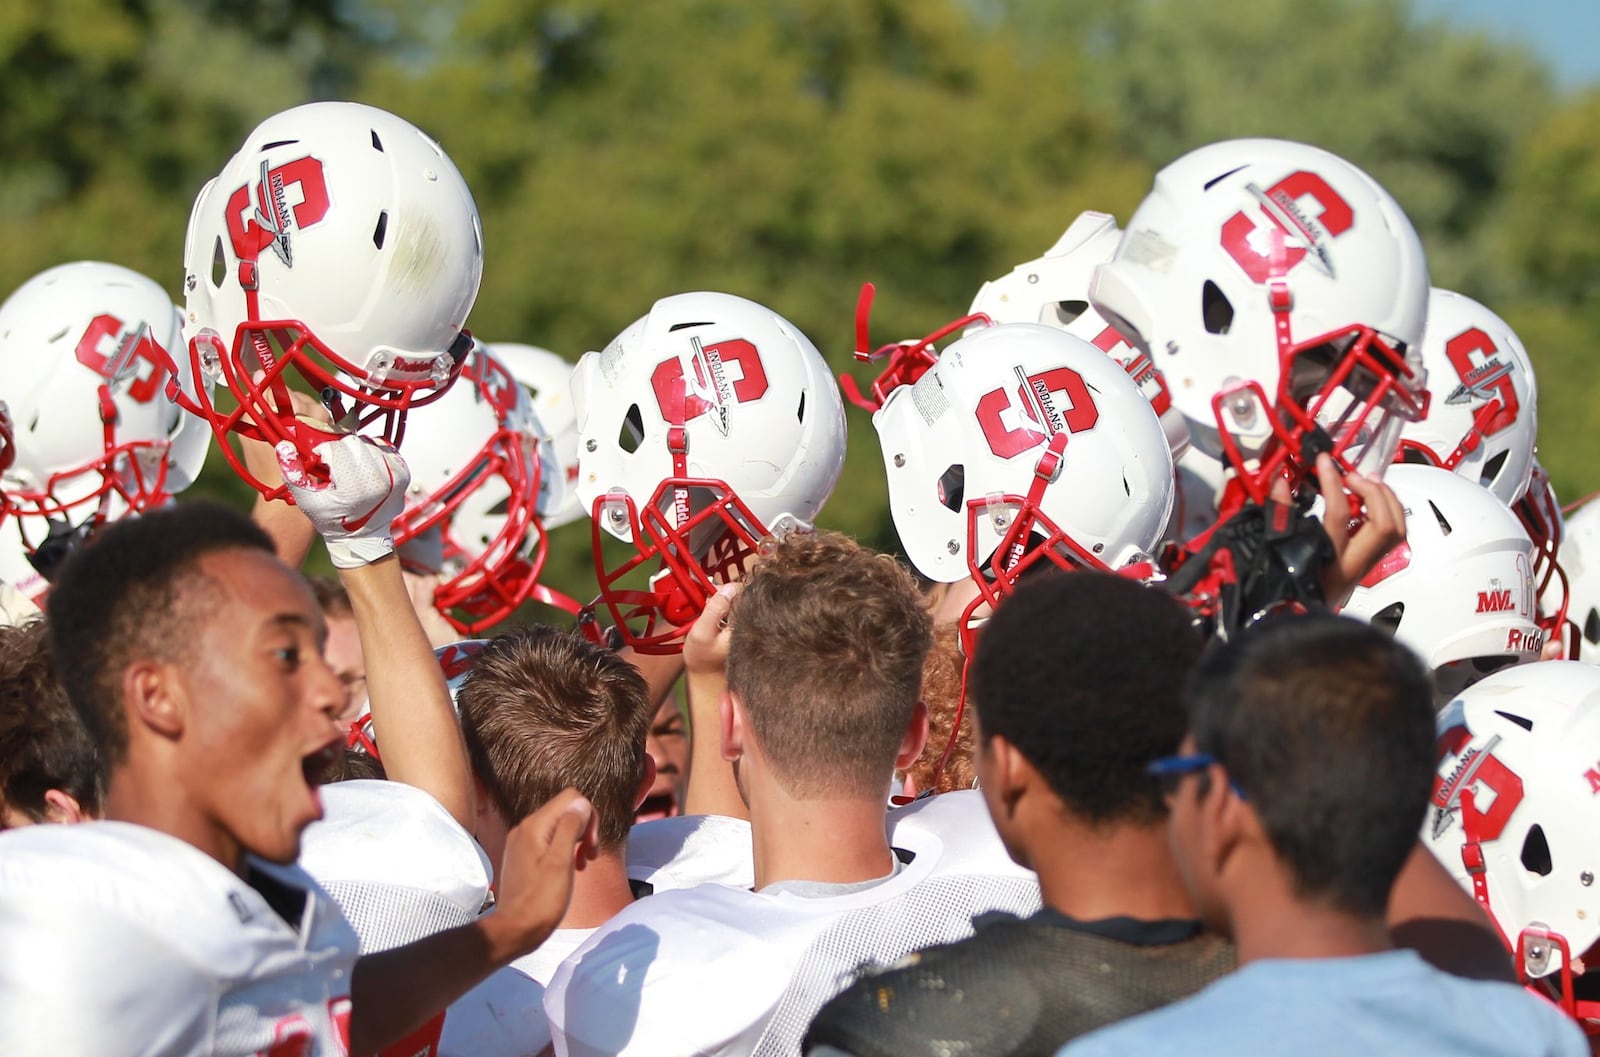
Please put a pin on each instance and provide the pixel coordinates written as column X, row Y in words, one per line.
column 61, row 806
column 1010, row 770
column 648, row 781
column 731, row 712
column 154, row 694
column 915, row 737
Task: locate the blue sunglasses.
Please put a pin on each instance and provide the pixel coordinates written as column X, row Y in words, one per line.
column 1169, row 771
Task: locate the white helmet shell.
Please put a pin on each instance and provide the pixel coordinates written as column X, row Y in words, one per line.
column 1190, row 283
column 975, row 425
column 1459, row 590
column 548, row 380
column 1054, row 290
column 1526, row 743
column 761, row 412
column 1483, row 418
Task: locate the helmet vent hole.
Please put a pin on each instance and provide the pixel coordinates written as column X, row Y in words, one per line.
column 685, row 326
column 1413, row 457
column 501, row 507
column 381, row 230
column 57, row 336
column 278, row 143
column 219, row 264
column 1388, row 618
column 1218, row 179
column 1067, row 311
column 1492, row 468
column 1215, row 309
column 953, row 487
column 1127, row 489
column 1591, row 626
column 1536, row 852
column 800, row 412
column 1444, row 525
column 377, row 144
column 632, row 434
column 1522, row 721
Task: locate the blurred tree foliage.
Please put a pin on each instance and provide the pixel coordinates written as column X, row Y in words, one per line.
column 791, row 149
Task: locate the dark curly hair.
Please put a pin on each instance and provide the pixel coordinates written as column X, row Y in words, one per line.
column 1083, row 672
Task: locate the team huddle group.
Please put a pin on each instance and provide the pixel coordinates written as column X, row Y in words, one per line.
column 1230, row 698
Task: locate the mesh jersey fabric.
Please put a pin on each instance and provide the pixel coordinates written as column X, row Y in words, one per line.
column 122, row 941
column 938, row 911
column 395, row 861
column 1015, row 988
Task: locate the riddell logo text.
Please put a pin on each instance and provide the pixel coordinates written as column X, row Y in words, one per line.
column 1525, row 641
column 1495, row 601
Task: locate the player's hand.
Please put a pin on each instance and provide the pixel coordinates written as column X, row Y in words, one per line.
column 705, row 649
column 355, row 505
column 536, row 873
column 1381, row 531
column 259, row 457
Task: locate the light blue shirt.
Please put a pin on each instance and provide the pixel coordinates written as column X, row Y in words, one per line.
column 1390, row 1003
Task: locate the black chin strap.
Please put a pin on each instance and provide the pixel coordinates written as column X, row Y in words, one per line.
column 59, row 542
column 1261, row 559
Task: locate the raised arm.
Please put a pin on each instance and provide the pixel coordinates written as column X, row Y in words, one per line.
column 352, row 509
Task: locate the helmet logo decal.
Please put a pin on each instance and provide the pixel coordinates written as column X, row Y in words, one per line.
column 709, row 386
column 1496, row 599
column 1139, row 366
column 1006, row 422
column 1475, row 765
column 1593, row 776
column 1294, row 232
column 493, row 382
column 1484, row 380
column 290, row 196
column 114, row 352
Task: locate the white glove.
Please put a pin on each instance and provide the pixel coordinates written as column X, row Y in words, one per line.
column 354, row 507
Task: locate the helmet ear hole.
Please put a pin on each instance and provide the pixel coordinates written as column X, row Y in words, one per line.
column 1388, row 618
column 800, row 412
column 1536, row 852
column 952, row 487
column 1068, row 311
column 632, row 432
column 1215, row 309
column 1591, row 626
column 1492, row 468
column 219, row 265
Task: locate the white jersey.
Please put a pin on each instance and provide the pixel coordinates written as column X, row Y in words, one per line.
column 396, row 862
column 704, row 970
column 688, row 850
column 504, row 1015
column 119, row 940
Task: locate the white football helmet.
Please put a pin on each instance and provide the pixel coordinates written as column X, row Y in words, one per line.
column 481, row 470
column 1515, row 810
column 455, row 662
column 1023, row 443
column 704, row 426
column 1482, row 418
column 548, row 380
column 342, row 242
column 85, row 369
column 1459, row 590
column 1054, row 290
column 1580, row 557
column 1282, row 294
